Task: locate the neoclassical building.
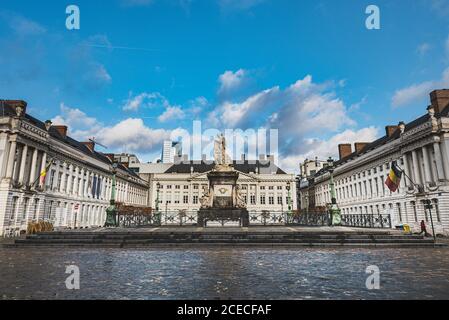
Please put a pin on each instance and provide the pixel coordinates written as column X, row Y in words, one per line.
column 77, row 186
column 178, row 187
column 421, row 149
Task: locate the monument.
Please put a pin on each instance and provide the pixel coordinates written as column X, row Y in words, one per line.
column 223, row 201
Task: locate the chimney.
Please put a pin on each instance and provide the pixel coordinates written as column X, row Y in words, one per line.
column 359, row 146
column 62, row 130
column 439, row 100
column 90, row 145
column 390, row 130
column 344, row 150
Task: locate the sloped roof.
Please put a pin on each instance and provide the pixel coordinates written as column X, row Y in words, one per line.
column 263, row 167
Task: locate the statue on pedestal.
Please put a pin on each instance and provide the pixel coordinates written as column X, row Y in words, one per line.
column 222, row 161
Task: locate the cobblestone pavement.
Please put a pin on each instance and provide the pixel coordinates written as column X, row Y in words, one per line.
column 224, row 273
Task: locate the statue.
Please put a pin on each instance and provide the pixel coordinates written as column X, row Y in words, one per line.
column 206, row 200
column 239, row 199
column 222, row 161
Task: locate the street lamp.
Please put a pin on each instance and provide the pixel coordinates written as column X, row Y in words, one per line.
column 158, row 188
column 288, row 197
column 111, row 212
column 334, row 210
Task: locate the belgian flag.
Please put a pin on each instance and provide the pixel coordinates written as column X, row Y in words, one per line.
column 394, row 177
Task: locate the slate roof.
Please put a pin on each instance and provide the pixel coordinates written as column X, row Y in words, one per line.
column 263, row 167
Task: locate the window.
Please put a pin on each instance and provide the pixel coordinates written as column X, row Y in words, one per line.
column 262, row 188
column 263, row 200
column 186, row 199
column 253, row 199
column 271, row 200
column 26, row 201
column 271, row 188
column 177, row 198
column 52, row 177
column 186, row 187
column 169, row 187
column 279, row 200
column 196, row 187
column 195, row 199
column 177, row 187
column 58, row 186
column 14, row 207
column 437, row 209
column 279, row 187
column 36, row 206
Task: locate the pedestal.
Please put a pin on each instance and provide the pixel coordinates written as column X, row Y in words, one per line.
column 223, row 215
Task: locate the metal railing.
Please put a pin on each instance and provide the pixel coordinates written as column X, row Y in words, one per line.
column 263, row 218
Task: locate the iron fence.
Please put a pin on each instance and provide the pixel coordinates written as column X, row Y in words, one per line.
column 263, row 218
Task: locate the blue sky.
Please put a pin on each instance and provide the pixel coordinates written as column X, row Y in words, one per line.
column 139, row 69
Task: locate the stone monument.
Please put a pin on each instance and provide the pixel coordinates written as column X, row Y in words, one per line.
column 223, row 201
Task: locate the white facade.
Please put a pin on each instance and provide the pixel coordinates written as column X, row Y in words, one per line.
column 183, row 191
column 77, row 188
column 421, row 149
column 170, row 151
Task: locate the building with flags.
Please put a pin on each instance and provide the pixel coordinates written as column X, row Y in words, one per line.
column 47, row 175
column 397, row 173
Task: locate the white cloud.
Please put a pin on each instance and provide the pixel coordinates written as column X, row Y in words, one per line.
column 231, row 81
column 324, row 149
column 423, row 48
column 130, row 134
column 21, row 25
column 418, row 92
column 172, row 113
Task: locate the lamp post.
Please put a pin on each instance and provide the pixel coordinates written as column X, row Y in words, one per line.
column 334, row 210
column 111, row 212
column 158, row 188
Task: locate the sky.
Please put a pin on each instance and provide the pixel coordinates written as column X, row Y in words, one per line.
column 138, row 70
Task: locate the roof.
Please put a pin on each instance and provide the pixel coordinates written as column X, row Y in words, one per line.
column 248, row 166
column 6, row 110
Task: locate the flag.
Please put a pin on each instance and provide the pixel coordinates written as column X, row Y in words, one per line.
column 394, row 177
column 43, row 175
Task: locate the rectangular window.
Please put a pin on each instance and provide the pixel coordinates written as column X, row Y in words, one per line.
column 279, row 200
column 253, row 199
column 263, row 200
column 195, row 199
column 271, row 200
column 186, row 199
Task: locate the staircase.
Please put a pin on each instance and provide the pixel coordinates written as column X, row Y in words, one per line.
column 221, row 237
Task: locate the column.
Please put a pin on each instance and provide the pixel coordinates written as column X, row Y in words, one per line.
column 43, row 167
column 62, row 187
column 56, row 178
column 86, row 185
column 406, row 169
column 438, row 160
column 23, row 164
column 33, row 167
column 427, row 171
column 416, row 171
column 11, row 159
column 81, row 186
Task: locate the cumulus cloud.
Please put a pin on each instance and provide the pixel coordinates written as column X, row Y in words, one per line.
column 323, row 149
column 130, row 134
column 172, row 113
column 231, row 81
column 418, row 92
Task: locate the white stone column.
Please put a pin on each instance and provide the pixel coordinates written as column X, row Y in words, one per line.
column 406, row 169
column 444, row 145
column 86, row 186
column 416, row 167
column 23, row 164
column 427, row 171
column 438, row 160
column 11, row 159
column 33, row 166
column 81, row 182
column 63, row 178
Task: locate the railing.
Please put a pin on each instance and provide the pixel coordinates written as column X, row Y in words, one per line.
column 264, row 218
column 367, row 220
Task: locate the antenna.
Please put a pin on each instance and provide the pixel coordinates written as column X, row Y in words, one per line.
column 94, row 141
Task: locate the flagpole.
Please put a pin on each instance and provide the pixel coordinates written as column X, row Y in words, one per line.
column 428, row 203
